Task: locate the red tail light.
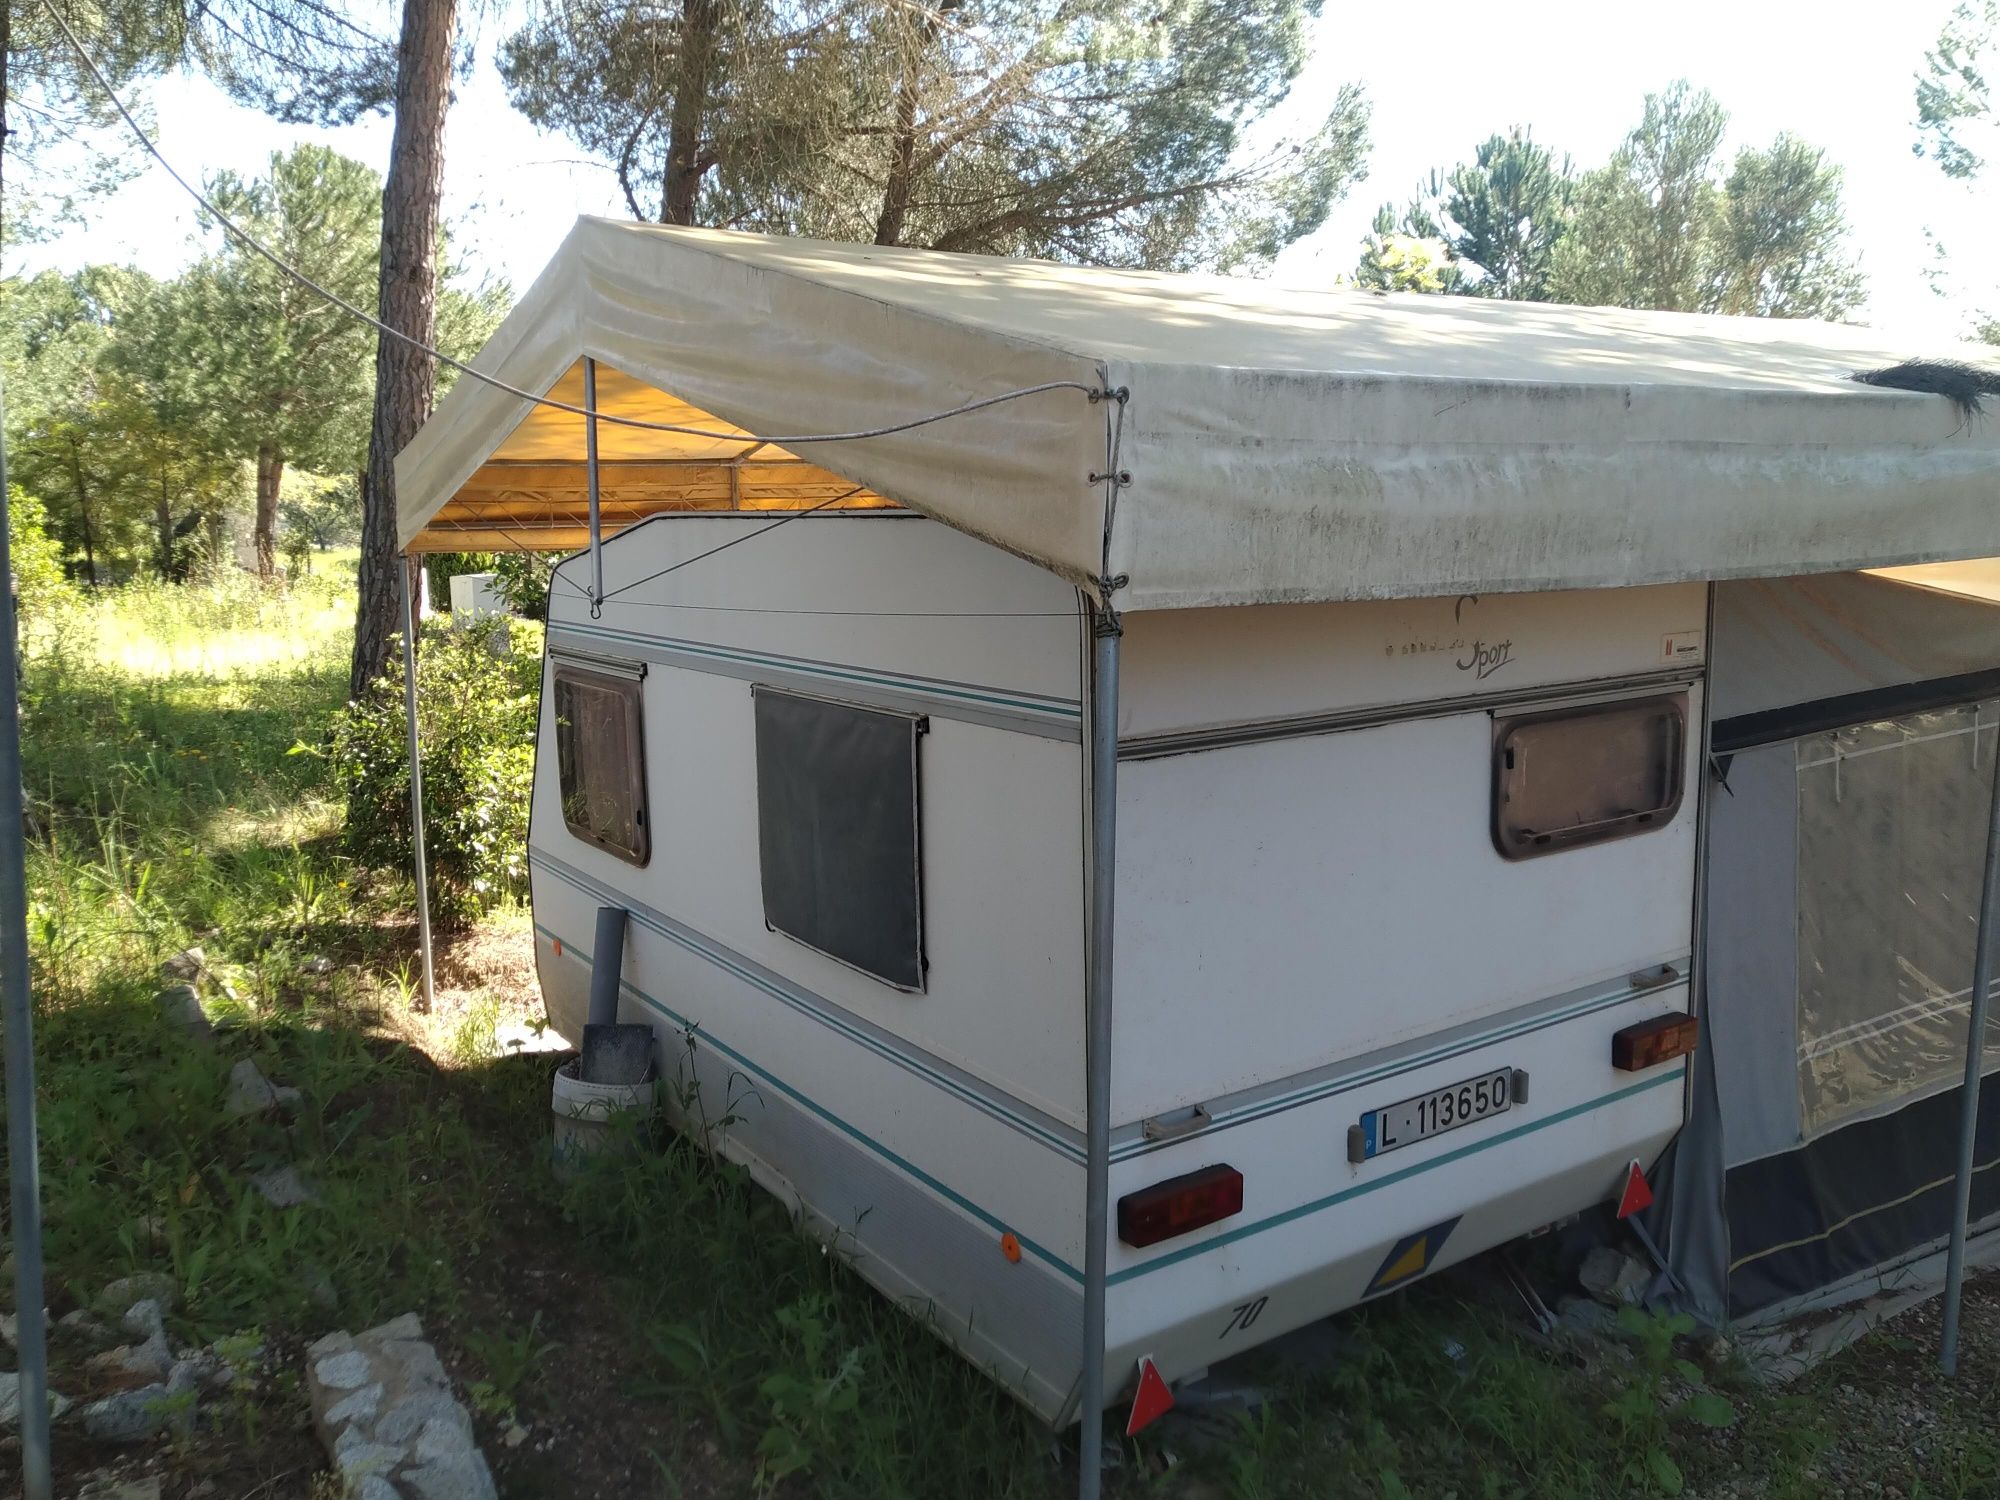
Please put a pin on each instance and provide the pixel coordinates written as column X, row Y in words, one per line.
column 1659, row 1040
column 1179, row 1205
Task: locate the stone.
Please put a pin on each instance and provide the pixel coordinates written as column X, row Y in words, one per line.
column 359, row 1460
column 359, row 1406
column 134, row 1364
column 251, row 1093
column 407, row 1326
column 145, row 1319
column 464, row 1478
column 1580, row 1317
column 81, row 1330
column 409, row 1416
column 342, row 1372
column 142, row 1286
column 318, row 967
column 515, row 1435
column 188, row 964
column 10, row 1400
column 333, row 1343
column 443, row 1439
column 180, row 1006
column 417, row 1361
column 1613, row 1277
column 132, row 1416
column 282, row 1187
column 375, row 1487
column 110, row 1487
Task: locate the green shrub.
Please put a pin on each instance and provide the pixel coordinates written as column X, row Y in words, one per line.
column 479, row 694
column 39, row 581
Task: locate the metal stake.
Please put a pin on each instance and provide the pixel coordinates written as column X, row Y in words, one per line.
column 1097, row 1040
column 1968, row 1104
column 23, row 1151
column 416, row 784
column 590, row 477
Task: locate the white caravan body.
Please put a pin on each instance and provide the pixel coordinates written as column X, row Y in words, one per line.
column 1313, row 922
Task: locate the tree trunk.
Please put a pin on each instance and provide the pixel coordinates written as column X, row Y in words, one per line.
column 405, row 376
column 270, row 471
column 163, row 517
column 83, row 513
column 685, row 164
column 903, row 149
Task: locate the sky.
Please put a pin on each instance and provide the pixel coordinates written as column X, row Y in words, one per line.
column 1440, row 79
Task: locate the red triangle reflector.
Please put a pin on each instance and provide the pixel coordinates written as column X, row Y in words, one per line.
column 1638, row 1193
column 1151, row 1401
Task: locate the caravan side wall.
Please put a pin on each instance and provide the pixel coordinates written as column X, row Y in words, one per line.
column 918, row 1127
column 1314, row 922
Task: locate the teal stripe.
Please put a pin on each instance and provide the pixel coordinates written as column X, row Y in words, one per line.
column 822, row 1013
column 1050, row 707
column 1392, row 1178
column 1350, row 1081
column 959, row 1200
column 902, row 1164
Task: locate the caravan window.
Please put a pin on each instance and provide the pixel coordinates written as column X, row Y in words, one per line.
column 1586, row 774
column 601, row 760
column 838, row 831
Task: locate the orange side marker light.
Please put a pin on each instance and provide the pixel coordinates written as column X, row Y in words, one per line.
column 1010, row 1246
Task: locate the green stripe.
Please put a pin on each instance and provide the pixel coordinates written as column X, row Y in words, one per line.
column 821, row 1010
column 707, row 1038
column 959, row 1200
column 1052, row 708
column 1392, row 1178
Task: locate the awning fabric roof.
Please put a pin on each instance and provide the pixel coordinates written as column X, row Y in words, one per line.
column 1282, row 443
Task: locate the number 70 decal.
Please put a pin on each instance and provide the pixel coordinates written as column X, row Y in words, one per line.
column 1240, row 1318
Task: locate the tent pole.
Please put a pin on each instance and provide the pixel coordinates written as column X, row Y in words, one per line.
column 404, row 567
column 1975, row 1057
column 1097, row 1039
column 23, row 1150
column 590, row 477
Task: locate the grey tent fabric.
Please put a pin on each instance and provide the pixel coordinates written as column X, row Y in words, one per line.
column 1751, row 973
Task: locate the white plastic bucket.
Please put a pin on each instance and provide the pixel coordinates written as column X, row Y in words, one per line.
column 591, row 1116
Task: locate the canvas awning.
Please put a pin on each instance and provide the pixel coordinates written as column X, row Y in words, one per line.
column 1283, row 444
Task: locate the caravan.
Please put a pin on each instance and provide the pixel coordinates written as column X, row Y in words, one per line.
column 1151, row 808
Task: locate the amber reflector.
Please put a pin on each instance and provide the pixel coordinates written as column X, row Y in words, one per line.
column 1659, row 1040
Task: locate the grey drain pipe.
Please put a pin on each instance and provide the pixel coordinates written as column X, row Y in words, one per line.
column 607, row 964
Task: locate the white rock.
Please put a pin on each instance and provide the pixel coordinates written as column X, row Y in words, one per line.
column 189, row 963
column 181, row 1007
column 338, row 1342
column 145, row 1319
column 408, row 1326
column 375, row 1487
column 457, row 1479
column 250, row 1092
column 1612, row 1276
column 110, row 1487
column 443, row 1439
column 515, row 1435
column 406, row 1418
column 10, row 1400
column 116, row 1300
column 131, row 1416
column 342, row 1372
column 282, row 1187
column 358, row 1460
column 359, row 1406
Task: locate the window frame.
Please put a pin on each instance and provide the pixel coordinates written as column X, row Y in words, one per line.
column 1675, row 703
column 627, row 680
column 918, row 727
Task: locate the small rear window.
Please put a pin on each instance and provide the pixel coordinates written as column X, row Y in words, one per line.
column 1584, row 775
column 601, row 761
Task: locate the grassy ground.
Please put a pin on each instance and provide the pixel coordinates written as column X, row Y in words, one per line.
column 660, row 1329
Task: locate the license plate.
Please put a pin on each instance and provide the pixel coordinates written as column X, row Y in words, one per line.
column 1418, row 1119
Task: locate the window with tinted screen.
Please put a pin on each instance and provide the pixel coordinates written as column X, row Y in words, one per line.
column 838, row 831
column 601, row 761
column 1587, row 774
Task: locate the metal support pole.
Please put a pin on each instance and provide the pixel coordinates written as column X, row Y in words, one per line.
column 1097, row 1039
column 23, row 1150
column 1975, row 1057
column 590, row 477
column 403, row 566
